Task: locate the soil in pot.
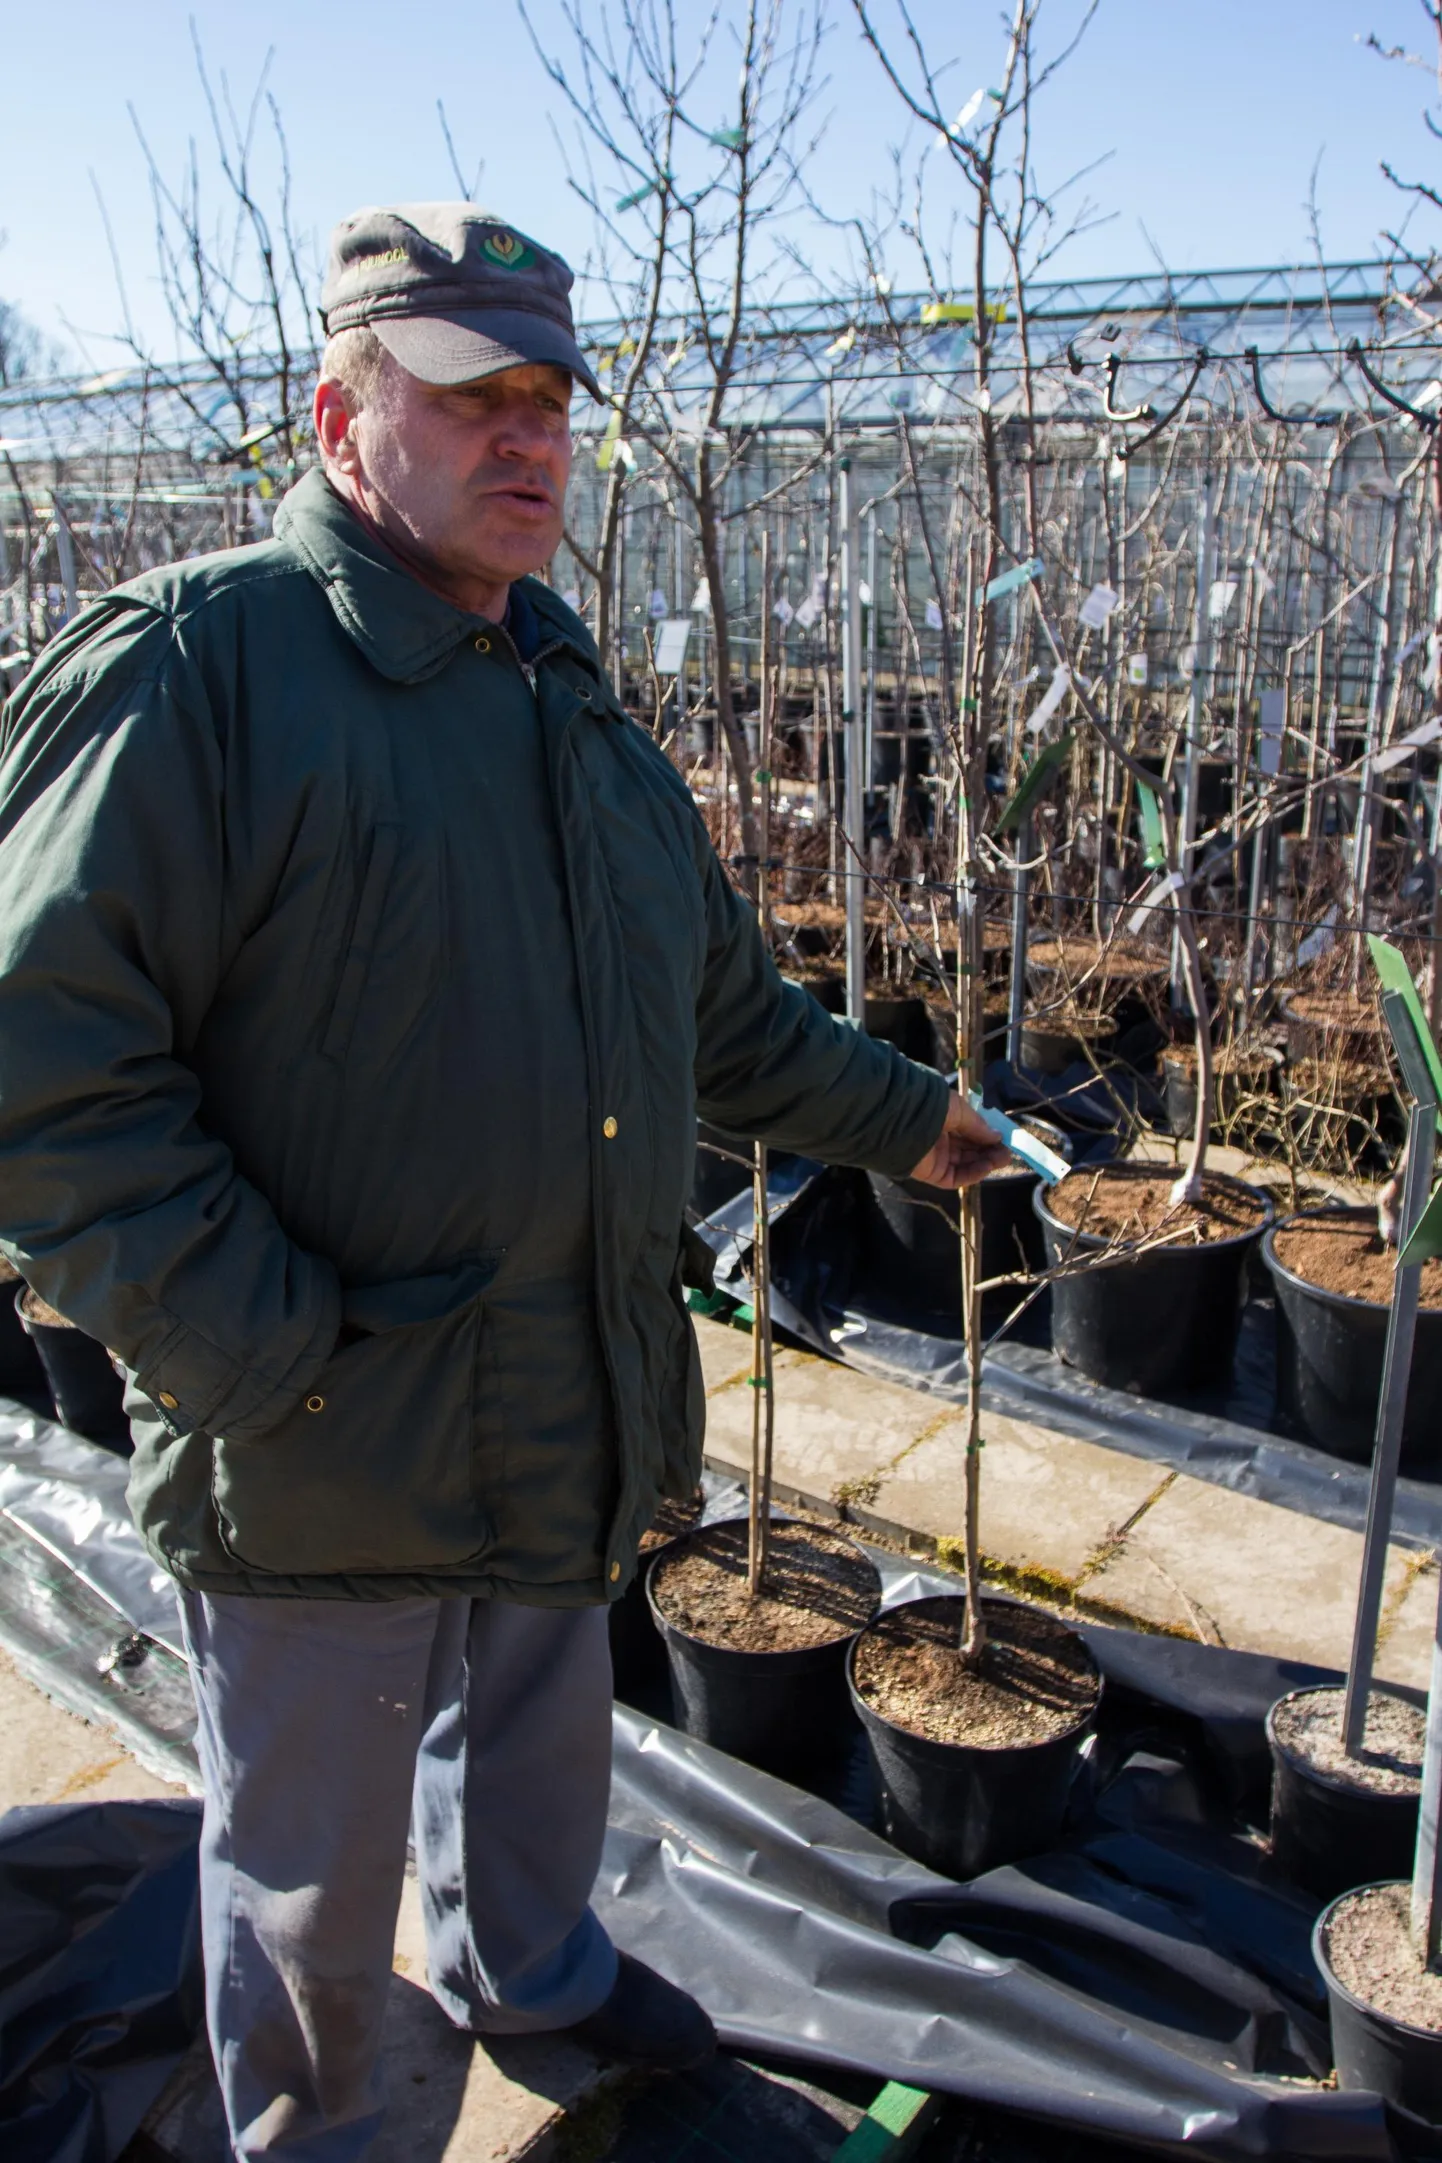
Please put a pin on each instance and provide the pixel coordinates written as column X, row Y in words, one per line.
column 1164, row 1319
column 1323, row 1022
column 974, row 1766
column 1333, row 1277
column 89, row 1394
column 1125, row 979
column 1339, row 1821
column 1386, row 2007
column 764, row 1678
column 638, row 1652
column 1050, row 1043
column 1132, row 1203
column 20, row 1367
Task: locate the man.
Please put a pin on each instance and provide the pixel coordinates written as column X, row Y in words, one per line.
column 362, row 970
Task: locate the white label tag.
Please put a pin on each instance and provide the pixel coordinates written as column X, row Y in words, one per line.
column 1097, row 606
column 672, row 640
column 1056, row 691
column 1171, row 884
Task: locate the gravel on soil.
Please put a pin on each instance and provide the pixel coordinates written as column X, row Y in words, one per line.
column 1369, row 1944
column 1035, row 1681
column 1390, row 1763
column 669, row 1522
column 819, row 1588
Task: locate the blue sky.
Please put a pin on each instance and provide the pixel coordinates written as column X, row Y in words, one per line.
column 1215, row 115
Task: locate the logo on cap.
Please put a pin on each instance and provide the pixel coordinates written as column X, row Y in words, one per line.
column 507, row 250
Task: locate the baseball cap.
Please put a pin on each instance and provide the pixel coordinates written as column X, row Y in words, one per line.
column 453, row 292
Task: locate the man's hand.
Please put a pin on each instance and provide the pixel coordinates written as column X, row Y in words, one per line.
column 965, row 1151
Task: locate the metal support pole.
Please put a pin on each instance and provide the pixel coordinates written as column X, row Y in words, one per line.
column 1427, row 1870
column 870, row 648
column 853, row 724
column 1396, row 1370
column 762, row 1401
column 1018, row 946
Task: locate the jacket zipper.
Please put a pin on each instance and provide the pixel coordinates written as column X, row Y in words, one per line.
column 528, row 668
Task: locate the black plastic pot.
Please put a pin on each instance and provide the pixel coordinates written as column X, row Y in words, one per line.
column 1228, row 1088
column 1155, row 1322
column 89, row 1394
column 1329, row 1363
column 912, row 1238
column 20, row 1368
column 906, row 1023
column 787, row 1712
column 961, row 1810
column 1372, row 2050
column 638, row 1650
column 1051, row 1047
column 1328, row 1836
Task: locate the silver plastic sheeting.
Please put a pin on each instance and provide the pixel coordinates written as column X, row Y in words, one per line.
column 70, row 1496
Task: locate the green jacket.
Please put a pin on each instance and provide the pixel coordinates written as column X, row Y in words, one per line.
column 352, row 970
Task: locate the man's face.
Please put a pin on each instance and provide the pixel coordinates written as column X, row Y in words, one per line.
column 466, row 480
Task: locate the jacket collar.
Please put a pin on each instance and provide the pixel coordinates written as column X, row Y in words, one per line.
column 405, row 631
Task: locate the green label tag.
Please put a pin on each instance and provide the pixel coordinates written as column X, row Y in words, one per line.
column 1397, row 977
column 1154, row 844
column 1043, row 769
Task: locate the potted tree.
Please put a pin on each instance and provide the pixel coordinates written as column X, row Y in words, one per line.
column 756, row 1616
column 1347, row 1764
column 974, row 1707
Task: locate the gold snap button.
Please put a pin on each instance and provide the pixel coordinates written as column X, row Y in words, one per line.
column 483, row 645
column 615, row 1571
column 170, row 1403
column 610, row 1129
column 315, row 1404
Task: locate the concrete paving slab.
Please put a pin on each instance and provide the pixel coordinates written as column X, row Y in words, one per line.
column 725, row 1354
column 452, row 2097
column 835, row 1430
column 48, row 1755
column 1408, row 1622
column 1244, row 1573
column 1048, row 1503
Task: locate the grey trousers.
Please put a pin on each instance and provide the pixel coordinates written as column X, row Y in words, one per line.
column 327, row 1727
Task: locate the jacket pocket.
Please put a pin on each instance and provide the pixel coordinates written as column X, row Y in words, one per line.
column 365, row 924
column 376, row 1471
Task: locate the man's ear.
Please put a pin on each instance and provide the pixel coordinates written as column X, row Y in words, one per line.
column 335, row 426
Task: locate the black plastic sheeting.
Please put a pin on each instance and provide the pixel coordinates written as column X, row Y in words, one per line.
column 100, row 1972
column 1148, row 1983
column 822, row 1294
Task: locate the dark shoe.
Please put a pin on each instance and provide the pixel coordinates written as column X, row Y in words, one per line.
column 648, row 2021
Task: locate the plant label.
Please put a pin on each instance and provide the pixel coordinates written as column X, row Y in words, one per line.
column 1097, row 606
column 1137, row 670
column 672, row 639
column 1273, row 725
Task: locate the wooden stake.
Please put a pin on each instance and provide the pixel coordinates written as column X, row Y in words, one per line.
column 762, row 1399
